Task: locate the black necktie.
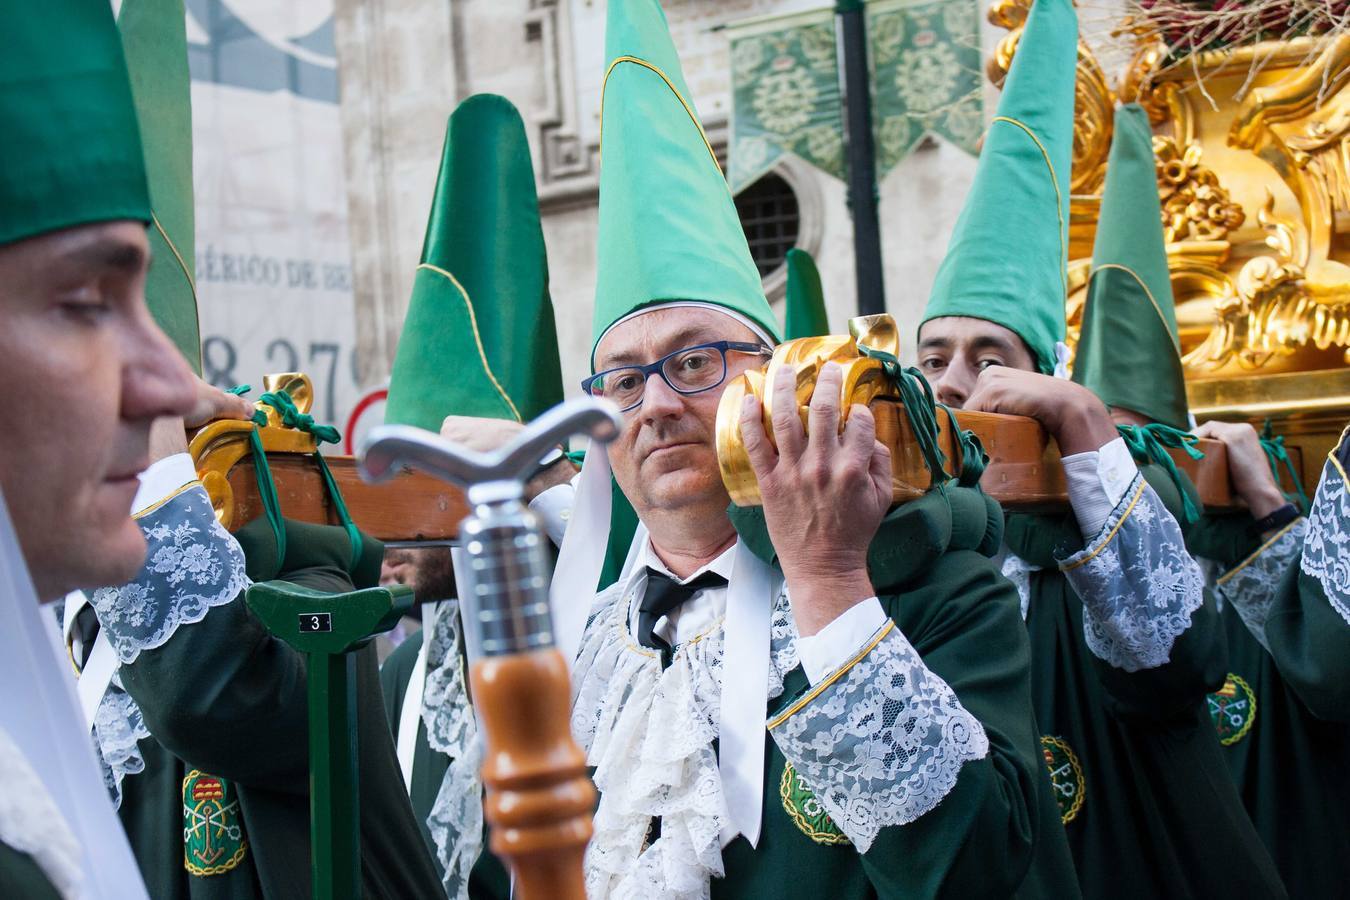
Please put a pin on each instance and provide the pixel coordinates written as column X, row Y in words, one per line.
column 663, row 595
column 86, row 629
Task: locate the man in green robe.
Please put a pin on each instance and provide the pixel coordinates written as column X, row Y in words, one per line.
column 199, row 716
column 1125, row 640
column 477, row 357
column 1281, row 713
column 86, row 372
column 764, row 714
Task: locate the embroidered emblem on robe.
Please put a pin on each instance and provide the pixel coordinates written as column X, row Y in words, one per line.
column 806, row 811
column 1066, row 777
column 213, row 834
column 1233, row 709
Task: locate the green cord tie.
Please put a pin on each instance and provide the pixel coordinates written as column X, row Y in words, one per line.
column 292, row 417
column 1277, row 455
column 240, row 390
column 974, row 459
column 920, row 408
column 1149, row 443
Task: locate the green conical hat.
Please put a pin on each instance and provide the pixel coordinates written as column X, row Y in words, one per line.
column 479, row 339
column 668, row 225
column 71, row 150
column 1008, row 256
column 154, row 36
column 1128, row 353
column 805, row 314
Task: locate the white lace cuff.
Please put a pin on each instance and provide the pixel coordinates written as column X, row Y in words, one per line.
column 881, row 740
column 192, row 566
column 1138, row 584
column 836, row 643
column 1252, row 586
column 1326, row 551
column 1018, row 571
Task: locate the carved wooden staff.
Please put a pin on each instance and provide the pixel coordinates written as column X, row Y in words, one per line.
column 539, row 800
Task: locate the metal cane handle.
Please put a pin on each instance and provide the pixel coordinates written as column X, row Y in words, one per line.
column 390, row 447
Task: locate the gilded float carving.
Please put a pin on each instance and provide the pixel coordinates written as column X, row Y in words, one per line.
column 1253, row 152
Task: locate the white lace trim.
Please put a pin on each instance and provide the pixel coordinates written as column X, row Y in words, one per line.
column 193, row 565
column 1253, row 586
column 1326, row 551
column 1138, row 584
column 883, row 742
column 30, row 822
column 649, row 735
column 1018, row 571
column 456, row 818
column 118, row 729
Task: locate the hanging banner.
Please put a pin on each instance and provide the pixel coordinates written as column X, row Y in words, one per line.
column 927, row 75
column 785, row 95
column 272, row 257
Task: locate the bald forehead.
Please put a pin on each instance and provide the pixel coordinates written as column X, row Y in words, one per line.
column 651, row 335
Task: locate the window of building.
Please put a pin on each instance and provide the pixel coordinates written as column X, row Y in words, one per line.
column 769, row 214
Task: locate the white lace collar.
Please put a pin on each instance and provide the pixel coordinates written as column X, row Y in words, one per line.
column 649, row 733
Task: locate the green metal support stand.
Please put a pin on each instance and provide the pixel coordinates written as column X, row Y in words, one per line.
column 328, row 629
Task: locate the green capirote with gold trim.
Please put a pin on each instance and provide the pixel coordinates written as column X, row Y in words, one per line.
column 154, row 37
column 71, row 153
column 479, row 338
column 668, row 225
column 1128, row 353
column 804, row 312
column 1007, row 259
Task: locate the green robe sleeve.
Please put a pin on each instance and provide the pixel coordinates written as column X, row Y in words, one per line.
column 217, row 690
column 1307, row 627
column 922, row 747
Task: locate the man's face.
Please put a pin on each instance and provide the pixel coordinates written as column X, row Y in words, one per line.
column 429, row 571
column 665, row 457
column 953, row 350
column 85, row 372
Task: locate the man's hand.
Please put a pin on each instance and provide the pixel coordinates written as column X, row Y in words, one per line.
column 479, row 434
column 1247, row 466
column 485, row 435
column 169, row 435
column 1074, row 416
column 824, row 495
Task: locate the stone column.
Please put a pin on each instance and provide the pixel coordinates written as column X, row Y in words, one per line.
column 398, row 83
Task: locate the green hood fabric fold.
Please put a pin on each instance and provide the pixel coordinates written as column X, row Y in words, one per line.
column 668, row 224
column 1129, row 354
column 154, row 38
column 805, row 314
column 1008, row 257
column 71, row 151
column 479, row 338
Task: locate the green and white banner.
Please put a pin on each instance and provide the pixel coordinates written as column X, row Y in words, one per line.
column 926, row 75
column 786, row 98
column 785, row 95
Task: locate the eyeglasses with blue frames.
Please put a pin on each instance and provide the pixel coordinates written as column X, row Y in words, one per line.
column 692, row 370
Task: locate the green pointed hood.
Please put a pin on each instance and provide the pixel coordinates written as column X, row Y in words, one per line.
column 805, row 314
column 668, row 225
column 1008, row 257
column 479, row 338
column 1128, row 353
column 71, row 149
column 154, row 37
